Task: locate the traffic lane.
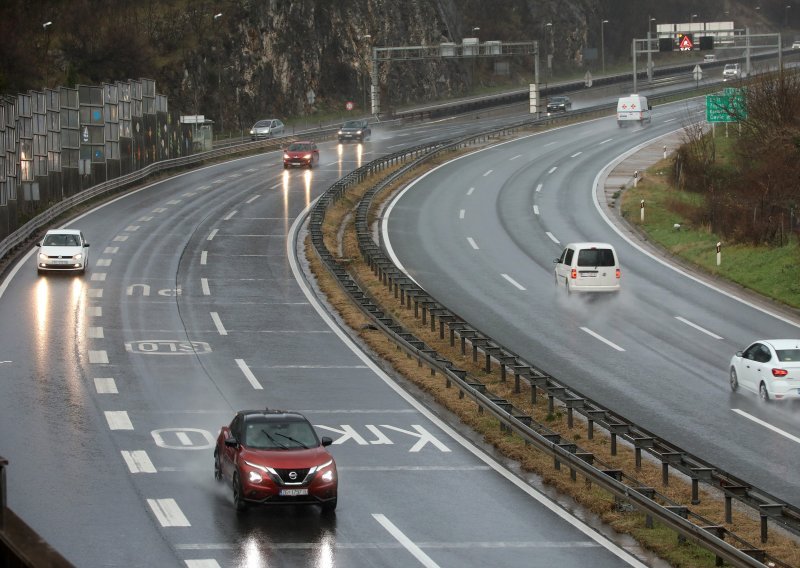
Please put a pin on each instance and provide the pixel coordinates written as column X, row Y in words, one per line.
column 397, row 450
column 496, row 251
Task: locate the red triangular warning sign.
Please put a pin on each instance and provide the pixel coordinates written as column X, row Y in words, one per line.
column 686, row 44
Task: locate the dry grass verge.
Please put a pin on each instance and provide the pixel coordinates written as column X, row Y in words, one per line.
column 659, row 539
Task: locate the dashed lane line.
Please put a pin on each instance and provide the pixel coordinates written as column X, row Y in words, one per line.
column 218, row 323
column 138, row 461
column 168, row 513
column 697, row 327
column 249, row 374
column 407, row 543
column 472, row 243
column 603, row 339
column 105, row 386
column 204, row 287
column 767, row 425
column 212, row 234
column 513, row 282
column 552, row 237
column 118, row 420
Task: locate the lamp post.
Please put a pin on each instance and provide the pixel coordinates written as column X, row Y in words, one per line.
column 549, row 26
column 219, row 76
column 786, row 17
column 366, row 80
column 691, row 18
column 46, row 27
column 603, row 44
column 650, row 21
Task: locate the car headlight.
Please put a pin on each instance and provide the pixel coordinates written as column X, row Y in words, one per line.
column 255, row 477
column 328, row 476
column 78, row 256
column 252, row 131
column 340, row 132
column 307, row 157
column 286, row 156
column 42, row 256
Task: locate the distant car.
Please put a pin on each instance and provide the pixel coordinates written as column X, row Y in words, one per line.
column 709, row 58
column 769, row 367
column 274, row 457
column 558, row 104
column 301, row 154
column 62, row 249
column 731, row 71
column 588, row 267
column 355, row 130
column 796, row 45
column 266, row 129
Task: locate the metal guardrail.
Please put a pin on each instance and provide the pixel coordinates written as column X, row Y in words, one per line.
column 707, row 535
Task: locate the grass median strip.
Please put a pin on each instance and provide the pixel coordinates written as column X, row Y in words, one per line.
column 341, row 240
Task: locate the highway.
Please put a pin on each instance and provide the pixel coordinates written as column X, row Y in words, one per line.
column 115, row 384
column 480, row 234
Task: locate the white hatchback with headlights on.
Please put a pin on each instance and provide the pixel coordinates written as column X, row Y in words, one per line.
column 769, row 367
column 62, row 249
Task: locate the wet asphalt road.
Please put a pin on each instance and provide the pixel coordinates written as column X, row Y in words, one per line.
column 480, row 235
column 114, row 386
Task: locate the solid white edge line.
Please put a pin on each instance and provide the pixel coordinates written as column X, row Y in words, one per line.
column 578, row 524
column 603, row 173
column 603, row 339
column 766, row 425
column 218, row 323
column 249, row 374
column 407, row 543
column 697, row 327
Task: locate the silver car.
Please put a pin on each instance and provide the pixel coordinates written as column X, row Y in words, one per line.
column 266, row 129
column 62, row 249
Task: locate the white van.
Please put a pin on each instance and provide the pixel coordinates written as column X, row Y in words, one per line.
column 588, row 267
column 633, row 108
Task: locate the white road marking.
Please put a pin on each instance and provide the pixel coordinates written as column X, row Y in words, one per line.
column 190, row 194
column 606, row 141
column 202, row 563
column 204, row 286
column 461, row 213
column 184, row 438
column 132, row 228
column 488, row 173
column 697, row 327
column 202, row 187
column 576, row 154
column 332, row 164
column 99, row 357
column 159, row 209
column 472, row 243
column 118, row 420
column 415, row 550
column 767, row 425
column 603, row 339
column 95, row 311
column 551, row 170
column 103, row 262
column 277, row 186
column 212, row 234
column 94, row 333
column 144, row 219
column 218, row 181
column 229, row 215
column 174, row 201
column 252, row 199
column 110, row 250
column 470, row 190
column 168, row 513
column 249, row 374
column 538, row 188
column 98, row 277
column 218, row 323
column 552, row 237
column 138, row 461
column 669, row 120
column 203, row 257
column 515, row 157
column 121, row 238
column 105, row 386
column 95, row 292
column 513, row 282
column 535, row 209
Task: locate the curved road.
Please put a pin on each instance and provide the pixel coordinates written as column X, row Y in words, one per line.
column 480, row 234
column 115, row 384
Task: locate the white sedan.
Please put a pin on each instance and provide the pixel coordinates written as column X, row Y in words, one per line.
column 62, row 249
column 770, row 367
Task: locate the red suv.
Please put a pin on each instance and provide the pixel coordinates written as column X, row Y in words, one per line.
column 302, row 154
column 275, row 457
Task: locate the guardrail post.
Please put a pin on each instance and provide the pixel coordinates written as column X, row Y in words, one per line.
column 682, row 512
column 3, row 465
column 666, row 459
column 650, row 493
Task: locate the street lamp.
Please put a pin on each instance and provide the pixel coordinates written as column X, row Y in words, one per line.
column 786, row 17
column 366, row 80
column 603, row 43
column 691, row 18
column 219, row 76
column 46, row 27
column 549, row 25
column 650, row 25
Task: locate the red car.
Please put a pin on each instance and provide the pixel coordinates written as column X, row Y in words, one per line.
column 275, row 457
column 302, row 154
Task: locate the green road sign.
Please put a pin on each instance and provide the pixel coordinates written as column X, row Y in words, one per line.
column 726, row 108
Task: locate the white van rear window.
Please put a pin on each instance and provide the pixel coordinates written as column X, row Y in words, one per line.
column 596, row 257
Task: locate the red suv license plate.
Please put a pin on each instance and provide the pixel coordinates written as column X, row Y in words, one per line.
column 293, row 492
